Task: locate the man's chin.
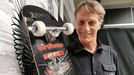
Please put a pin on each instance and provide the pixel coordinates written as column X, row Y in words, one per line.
column 83, row 37
column 85, row 40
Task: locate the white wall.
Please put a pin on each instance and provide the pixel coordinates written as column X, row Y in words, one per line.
column 8, row 62
column 110, row 4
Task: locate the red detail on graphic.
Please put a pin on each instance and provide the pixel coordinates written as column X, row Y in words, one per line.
column 47, row 69
column 53, row 54
column 49, row 46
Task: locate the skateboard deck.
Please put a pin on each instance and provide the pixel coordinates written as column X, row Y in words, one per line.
column 49, row 51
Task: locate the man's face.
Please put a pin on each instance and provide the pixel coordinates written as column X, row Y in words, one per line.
column 87, row 25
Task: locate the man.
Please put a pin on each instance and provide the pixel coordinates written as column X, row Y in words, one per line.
column 89, row 55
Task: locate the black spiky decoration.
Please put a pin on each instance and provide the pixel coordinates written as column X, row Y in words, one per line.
column 22, row 43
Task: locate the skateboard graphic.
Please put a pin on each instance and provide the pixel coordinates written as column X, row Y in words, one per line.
column 46, row 36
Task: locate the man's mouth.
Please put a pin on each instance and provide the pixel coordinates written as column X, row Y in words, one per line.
column 85, row 34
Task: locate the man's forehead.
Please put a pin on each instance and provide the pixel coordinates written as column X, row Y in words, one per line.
column 94, row 18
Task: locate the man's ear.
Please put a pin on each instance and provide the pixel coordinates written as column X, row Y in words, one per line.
column 101, row 24
column 99, row 27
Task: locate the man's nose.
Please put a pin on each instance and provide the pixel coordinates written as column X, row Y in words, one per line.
column 86, row 27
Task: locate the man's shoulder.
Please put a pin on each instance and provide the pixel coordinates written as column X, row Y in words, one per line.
column 106, row 47
column 109, row 49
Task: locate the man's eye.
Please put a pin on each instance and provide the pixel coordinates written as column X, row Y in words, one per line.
column 91, row 23
column 81, row 22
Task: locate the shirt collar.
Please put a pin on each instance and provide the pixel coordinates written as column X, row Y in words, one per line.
column 80, row 48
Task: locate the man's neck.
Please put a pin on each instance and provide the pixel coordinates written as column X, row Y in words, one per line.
column 91, row 47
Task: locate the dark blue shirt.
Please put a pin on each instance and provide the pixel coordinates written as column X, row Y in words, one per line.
column 103, row 62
